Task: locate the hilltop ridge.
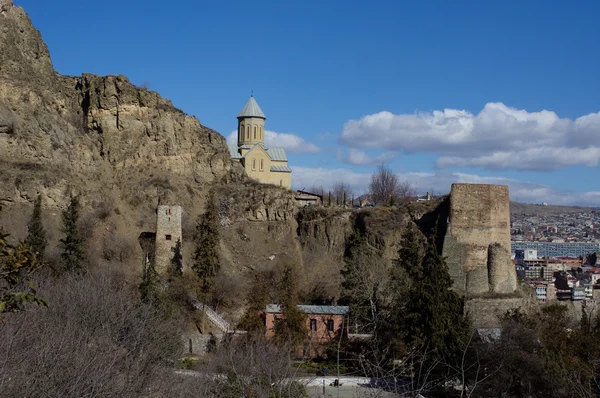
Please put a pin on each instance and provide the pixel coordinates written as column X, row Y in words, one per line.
column 527, row 208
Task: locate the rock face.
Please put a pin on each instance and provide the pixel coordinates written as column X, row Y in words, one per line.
column 122, row 147
column 477, row 241
column 92, row 129
column 125, row 149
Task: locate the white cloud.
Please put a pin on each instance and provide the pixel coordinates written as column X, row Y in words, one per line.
column 361, row 158
column 289, row 142
column 497, row 137
column 538, row 159
column 440, row 182
column 307, row 177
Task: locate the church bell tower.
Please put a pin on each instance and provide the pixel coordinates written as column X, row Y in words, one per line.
column 251, row 124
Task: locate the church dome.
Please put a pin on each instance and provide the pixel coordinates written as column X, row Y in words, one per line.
column 251, row 110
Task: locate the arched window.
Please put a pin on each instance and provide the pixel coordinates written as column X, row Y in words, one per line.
column 280, row 182
column 261, row 165
column 253, row 164
column 254, row 132
column 241, row 133
column 248, row 132
column 260, row 134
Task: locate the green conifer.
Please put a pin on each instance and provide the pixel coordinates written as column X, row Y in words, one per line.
column 149, row 286
column 73, row 241
column 433, row 316
column 291, row 328
column 176, row 266
column 206, row 261
column 36, row 234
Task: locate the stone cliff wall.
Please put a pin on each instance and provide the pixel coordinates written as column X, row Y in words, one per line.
column 477, row 242
column 121, row 147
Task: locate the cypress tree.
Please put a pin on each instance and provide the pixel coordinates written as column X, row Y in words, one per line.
column 17, row 263
column 409, row 255
column 406, row 269
column 73, row 242
column 149, row 286
column 433, row 315
column 36, row 234
column 291, row 328
column 206, row 262
column 176, row 268
column 257, row 299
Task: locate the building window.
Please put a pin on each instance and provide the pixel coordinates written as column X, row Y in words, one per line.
column 260, row 133
column 330, row 325
column 248, row 132
column 253, row 164
column 280, row 183
column 261, row 165
column 241, row 132
column 167, row 237
column 254, row 132
column 313, row 325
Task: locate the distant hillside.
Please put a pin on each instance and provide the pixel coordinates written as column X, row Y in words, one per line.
column 519, row 208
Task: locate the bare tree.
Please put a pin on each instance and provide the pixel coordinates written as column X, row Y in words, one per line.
column 317, row 189
column 387, row 189
column 94, row 339
column 406, row 191
column 384, row 185
column 341, row 192
column 246, row 368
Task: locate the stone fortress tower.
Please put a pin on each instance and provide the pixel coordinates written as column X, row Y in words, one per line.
column 477, row 242
column 168, row 231
column 264, row 164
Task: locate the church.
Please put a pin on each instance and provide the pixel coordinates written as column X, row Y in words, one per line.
column 263, row 164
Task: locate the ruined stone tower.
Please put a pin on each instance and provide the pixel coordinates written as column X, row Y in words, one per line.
column 168, row 231
column 477, row 242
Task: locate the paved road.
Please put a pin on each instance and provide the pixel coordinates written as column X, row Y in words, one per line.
column 352, row 387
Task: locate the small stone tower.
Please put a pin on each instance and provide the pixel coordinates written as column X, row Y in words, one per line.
column 168, row 231
column 251, row 124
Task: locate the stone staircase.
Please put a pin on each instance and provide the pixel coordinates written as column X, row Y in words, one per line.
column 213, row 317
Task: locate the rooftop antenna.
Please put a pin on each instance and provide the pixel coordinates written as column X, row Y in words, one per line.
column 252, row 93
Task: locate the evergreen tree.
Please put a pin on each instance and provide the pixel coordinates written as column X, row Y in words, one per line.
column 206, row 261
column 433, row 316
column 291, row 328
column 257, row 299
column 176, row 267
column 149, row 286
column 36, row 235
column 406, row 269
column 409, row 255
column 73, row 242
column 17, row 263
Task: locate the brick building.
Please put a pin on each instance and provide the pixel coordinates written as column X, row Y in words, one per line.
column 324, row 323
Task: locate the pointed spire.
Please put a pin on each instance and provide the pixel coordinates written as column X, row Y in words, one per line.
column 252, row 109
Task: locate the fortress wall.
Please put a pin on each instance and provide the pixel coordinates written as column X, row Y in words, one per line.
column 168, row 231
column 477, row 242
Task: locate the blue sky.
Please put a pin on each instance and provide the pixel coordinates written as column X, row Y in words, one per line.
column 490, row 92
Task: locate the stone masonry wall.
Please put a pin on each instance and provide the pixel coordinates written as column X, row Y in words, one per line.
column 168, row 231
column 477, row 242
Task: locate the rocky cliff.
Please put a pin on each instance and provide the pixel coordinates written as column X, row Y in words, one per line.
column 121, row 147
column 124, row 148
